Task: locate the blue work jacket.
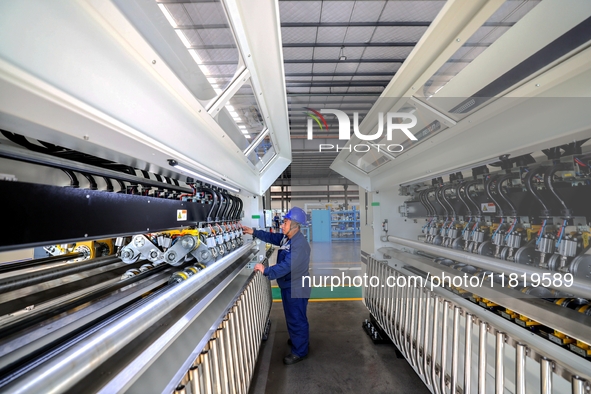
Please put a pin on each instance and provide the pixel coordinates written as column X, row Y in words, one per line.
column 293, row 262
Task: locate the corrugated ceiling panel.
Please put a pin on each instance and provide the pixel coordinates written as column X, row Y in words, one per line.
column 179, row 14
column 331, row 34
column 193, row 37
column 347, row 67
column 299, row 11
column 342, row 78
column 298, row 67
column 387, row 52
column 365, row 89
column 290, row 35
column 298, row 90
column 367, row 11
column 376, row 78
column 297, row 53
column 322, row 78
column 217, row 36
column 396, row 33
column 320, row 90
column 411, row 11
column 206, row 13
column 352, row 52
column 359, row 34
column 336, row 11
column 378, row 67
column 487, row 35
column 468, row 52
column 219, row 55
column 339, row 89
column 324, row 67
column 327, row 53
column 297, row 79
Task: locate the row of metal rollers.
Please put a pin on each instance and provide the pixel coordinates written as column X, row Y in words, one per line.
column 403, row 312
column 227, row 361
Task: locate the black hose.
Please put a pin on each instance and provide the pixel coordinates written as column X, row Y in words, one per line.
column 109, row 184
column 91, row 181
column 546, row 213
column 215, row 201
column 228, row 206
column 240, row 206
column 234, row 211
column 423, row 203
column 487, row 185
column 444, row 189
column 437, row 192
column 468, row 186
column 548, row 182
column 73, row 180
column 462, row 187
column 429, row 201
column 221, row 201
column 513, row 211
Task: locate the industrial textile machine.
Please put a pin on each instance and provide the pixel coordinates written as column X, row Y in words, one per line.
column 127, row 168
column 477, row 231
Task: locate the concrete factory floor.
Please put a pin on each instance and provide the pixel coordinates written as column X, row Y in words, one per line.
column 342, row 357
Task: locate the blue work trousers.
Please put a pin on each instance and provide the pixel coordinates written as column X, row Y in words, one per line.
column 297, row 322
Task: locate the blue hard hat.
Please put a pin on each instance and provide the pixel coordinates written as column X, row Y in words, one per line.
column 296, row 214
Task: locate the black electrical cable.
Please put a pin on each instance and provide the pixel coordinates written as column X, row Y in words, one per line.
column 240, row 206
column 232, row 214
column 109, row 184
column 433, row 209
column 214, row 203
column 423, row 203
column 224, row 215
column 221, row 204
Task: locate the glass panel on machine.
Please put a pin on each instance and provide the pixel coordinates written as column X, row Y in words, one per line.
column 245, row 111
column 369, row 160
column 204, row 29
column 497, row 25
column 262, row 154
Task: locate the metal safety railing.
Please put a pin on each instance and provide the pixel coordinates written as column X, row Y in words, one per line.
column 456, row 346
column 227, row 362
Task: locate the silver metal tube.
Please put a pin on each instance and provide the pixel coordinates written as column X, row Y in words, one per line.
column 215, row 367
column 396, row 312
column 434, row 379
column 368, row 290
column 195, row 385
column 407, row 323
column 520, row 355
column 228, row 369
column 244, row 343
column 401, row 318
column 69, row 367
column 207, row 386
column 238, row 347
column 455, row 350
column 578, row 385
column 411, row 332
column 500, row 363
column 546, row 375
column 427, row 334
column 419, row 332
column 482, row 357
column 581, row 288
column 444, row 345
column 468, row 354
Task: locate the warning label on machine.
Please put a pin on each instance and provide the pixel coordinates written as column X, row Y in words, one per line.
column 181, row 214
column 488, row 207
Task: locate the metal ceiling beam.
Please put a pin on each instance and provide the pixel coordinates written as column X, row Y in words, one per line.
column 340, row 74
column 333, row 102
column 380, row 24
column 362, row 44
column 322, row 181
column 316, row 61
column 336, row 84
column 372, row 94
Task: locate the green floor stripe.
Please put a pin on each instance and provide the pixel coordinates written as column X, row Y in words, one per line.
column 325, row 292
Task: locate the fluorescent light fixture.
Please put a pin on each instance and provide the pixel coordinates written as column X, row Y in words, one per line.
column 201, row 177
column 230, row 108
column 248, row 136
column 183, row 38
column 234, row 114
column 241, row 126
column 168, row 16
column 195, row 56
column 244, row 132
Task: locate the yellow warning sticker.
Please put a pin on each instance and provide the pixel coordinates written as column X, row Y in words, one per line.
column 181, row 214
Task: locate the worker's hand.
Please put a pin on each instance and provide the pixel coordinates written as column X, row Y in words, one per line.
column 259, row 267
column 247, row 230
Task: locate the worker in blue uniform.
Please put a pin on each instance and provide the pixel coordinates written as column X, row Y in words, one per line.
column 293, row 261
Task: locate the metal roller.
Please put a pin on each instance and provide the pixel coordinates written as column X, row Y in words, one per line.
column 444, row 345
column 419, row 332
column 427, row 332
column 412, row 332
column 482, row 357
column 500, row 363
column 468, row 354
column 434, row 379
column 546, row 375
column 521, row 350
column 455, row 349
